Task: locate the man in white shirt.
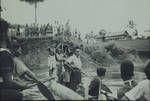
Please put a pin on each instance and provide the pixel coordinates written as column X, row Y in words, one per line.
column 75, row 60
column 76, row 67
column 142, row 89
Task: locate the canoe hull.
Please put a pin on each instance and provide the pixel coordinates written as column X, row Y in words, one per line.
column 63, row 92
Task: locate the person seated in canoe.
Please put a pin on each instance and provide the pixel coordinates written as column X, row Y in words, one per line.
column 127, row 74
column 10, row 89
column 98, row 90
column 140, row 92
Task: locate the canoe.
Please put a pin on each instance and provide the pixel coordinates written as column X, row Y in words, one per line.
column 63, row 92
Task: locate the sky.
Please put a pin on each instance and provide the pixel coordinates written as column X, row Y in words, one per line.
column 85, row 15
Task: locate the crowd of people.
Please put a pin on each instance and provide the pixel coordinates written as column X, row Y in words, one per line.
column 49, row 29
column 65, row 66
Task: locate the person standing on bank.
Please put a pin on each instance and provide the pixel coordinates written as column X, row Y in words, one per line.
column 52, row 64
column 9, row 88
column 76, row 68
column 60, row 64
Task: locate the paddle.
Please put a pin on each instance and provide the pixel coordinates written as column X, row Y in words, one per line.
column 103, row 86
column 44, row 90
column 34, row 84
column 72, row 68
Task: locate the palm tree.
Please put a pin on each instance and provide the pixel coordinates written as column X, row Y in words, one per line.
column 35, row 5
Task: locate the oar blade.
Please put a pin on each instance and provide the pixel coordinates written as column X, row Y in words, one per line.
column 105, row 88
column 45, row 91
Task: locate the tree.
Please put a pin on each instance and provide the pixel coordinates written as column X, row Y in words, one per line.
column 35, row 5
column 102, row 32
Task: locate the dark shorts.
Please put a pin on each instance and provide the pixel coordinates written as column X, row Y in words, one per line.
column 75, row 79
column 75, row 76
column 10, row 94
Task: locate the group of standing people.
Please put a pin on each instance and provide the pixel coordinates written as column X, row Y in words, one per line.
column 66, row 69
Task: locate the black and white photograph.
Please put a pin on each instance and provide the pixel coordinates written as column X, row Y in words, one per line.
column 75, row 50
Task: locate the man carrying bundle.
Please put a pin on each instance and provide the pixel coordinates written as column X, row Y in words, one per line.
column 75, row 65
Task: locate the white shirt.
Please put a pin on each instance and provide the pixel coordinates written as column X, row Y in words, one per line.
column 142, row 89
column 75, row 61
column 51, row 62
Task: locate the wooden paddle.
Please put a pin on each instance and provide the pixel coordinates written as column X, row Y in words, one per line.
column 72, row 68
column 44, row 90
column 34, row 84
column 104, row 86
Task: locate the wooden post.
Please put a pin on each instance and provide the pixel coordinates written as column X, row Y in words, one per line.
column 35, row 13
